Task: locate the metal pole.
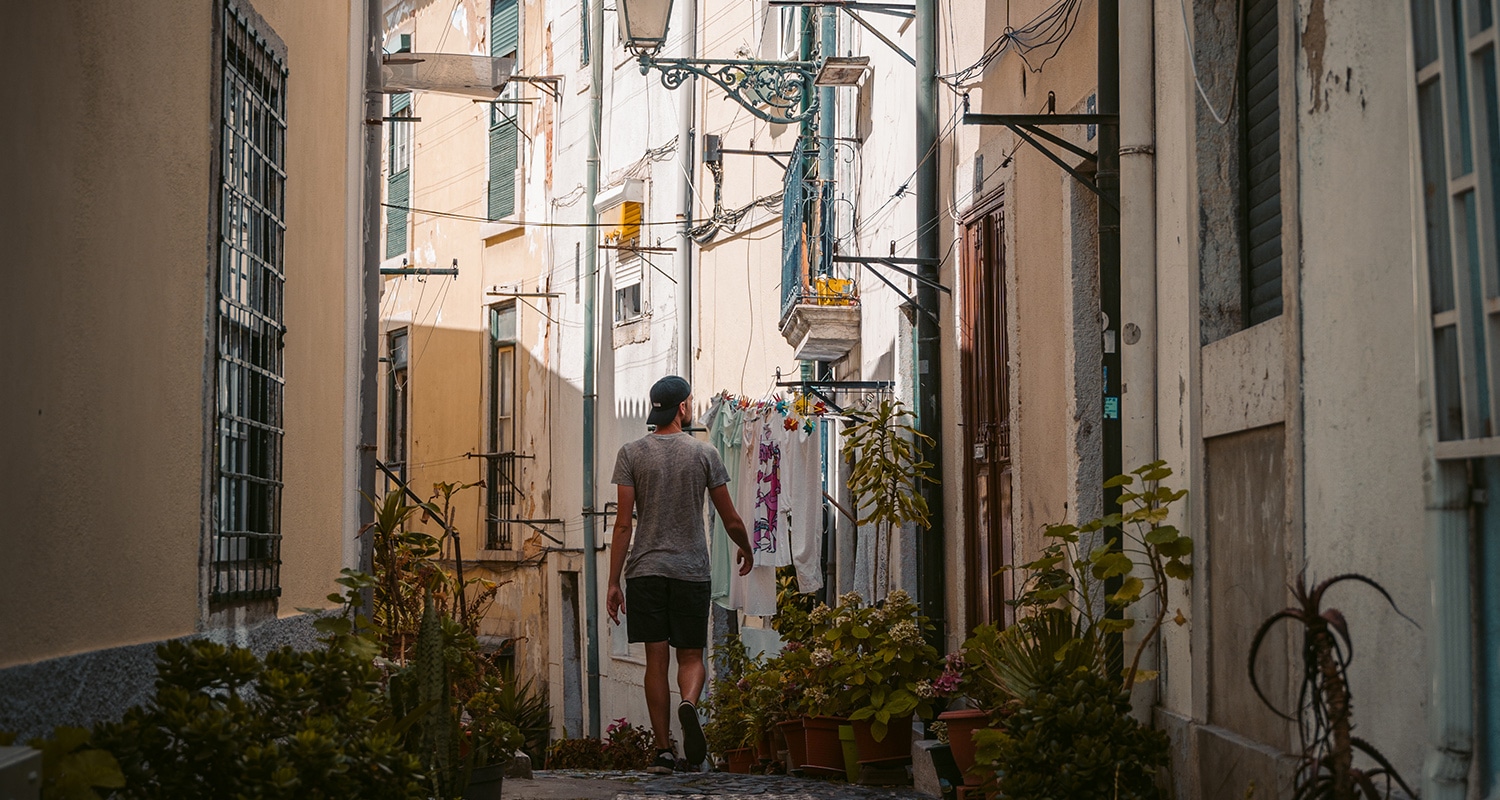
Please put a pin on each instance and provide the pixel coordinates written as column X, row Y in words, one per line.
column 686, row 147
column 590, row 335
column 1108, row 179
column 369, row 363
column 827, row 43
column 931, row 582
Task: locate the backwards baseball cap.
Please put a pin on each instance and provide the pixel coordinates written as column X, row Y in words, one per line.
column 666, row 395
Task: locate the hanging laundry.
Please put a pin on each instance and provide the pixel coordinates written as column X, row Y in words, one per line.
column 802, row 490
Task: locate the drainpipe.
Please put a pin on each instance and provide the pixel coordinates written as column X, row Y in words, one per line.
column 687, row 98
column 369, row 362
column 1138, row 272
column 1450, row 742
column 590, row 336
column 931, row 572
column 1108, row 177
column 827, row 43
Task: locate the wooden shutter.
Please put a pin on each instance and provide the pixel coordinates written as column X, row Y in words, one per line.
column 505, row 27
column 503, row 155
column 1261, row 162
column 398, row 184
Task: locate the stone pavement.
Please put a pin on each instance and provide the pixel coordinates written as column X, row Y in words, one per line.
column 583, row 785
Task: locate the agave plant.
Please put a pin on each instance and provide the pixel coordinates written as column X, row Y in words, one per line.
column 1324, row 711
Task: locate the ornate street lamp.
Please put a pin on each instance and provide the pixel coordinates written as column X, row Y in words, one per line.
column 776, row 91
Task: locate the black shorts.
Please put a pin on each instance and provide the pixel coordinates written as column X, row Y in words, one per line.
column 659, row 609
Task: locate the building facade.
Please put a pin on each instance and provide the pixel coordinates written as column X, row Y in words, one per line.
column 182, row 422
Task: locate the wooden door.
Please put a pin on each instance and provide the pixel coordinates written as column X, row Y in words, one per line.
column 986, row 382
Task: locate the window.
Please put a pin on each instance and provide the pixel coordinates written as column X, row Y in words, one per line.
column 504, row 153
column 1458, row 125
column 583, row 33
column 397, row 402
column 1459, row 154
column 398, row 178
column 629, row 266
column 783, row 36
column 1260, row 162
column 500, row 478
column 249, row 377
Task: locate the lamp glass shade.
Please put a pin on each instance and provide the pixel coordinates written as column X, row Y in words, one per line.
column 643, row 23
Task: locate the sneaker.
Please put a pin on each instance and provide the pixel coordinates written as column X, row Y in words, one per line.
column 664, row 763
column 694, row 746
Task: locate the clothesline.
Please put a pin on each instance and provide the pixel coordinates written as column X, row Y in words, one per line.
column 773, row 451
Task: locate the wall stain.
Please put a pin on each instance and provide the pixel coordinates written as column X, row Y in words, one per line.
column 1314, row 42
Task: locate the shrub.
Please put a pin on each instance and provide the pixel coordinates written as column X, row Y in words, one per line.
column 1074, row 739
column 298, row 724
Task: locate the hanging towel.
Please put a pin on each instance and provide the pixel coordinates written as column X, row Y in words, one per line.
column 802, row 500
column 723, row 420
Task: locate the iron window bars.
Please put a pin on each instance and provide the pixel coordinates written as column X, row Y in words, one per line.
column 249, row 377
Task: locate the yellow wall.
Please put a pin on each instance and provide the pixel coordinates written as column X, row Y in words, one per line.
column 109, row 152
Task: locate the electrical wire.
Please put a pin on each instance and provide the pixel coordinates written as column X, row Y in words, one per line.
column 1192, row 59
column 1047, row 33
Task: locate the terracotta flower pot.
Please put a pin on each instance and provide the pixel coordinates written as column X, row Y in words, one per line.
column 740, row 760
column 961, row 727
column 763, row 750
column 895, row 746
column 796, row 743
column 824, row 749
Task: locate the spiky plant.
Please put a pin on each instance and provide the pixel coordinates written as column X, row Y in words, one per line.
column 1324, row 712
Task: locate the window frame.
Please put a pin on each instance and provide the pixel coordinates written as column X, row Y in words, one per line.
column 249, row 327
column 501, row 458
column 1459, row 216
column 398, row 400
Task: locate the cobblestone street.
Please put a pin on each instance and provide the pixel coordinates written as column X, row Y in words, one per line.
column 581, row 785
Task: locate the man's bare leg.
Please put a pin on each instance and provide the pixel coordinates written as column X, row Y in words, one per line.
column 658, row 693
column 690, row 674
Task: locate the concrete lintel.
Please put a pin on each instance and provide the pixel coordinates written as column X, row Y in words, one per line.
column 1244, row 380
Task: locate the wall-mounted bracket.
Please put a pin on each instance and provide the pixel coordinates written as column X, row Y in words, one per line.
column 1029, row 127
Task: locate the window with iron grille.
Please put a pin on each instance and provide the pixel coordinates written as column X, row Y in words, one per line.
column 397, row 401
column 500, row 461
column 249, row 378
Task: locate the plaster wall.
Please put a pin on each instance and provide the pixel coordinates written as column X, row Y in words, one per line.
column 1362, row 406
column 104, row 417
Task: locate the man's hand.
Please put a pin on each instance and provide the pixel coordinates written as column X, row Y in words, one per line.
column 745, row 560
column 616, row 602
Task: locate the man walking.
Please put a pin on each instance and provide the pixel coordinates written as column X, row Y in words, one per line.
column 662, row 478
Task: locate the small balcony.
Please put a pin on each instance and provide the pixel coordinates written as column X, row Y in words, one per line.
column 821, row 322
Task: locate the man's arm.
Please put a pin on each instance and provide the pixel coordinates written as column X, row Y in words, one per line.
column 619, row 544
column 733, row 525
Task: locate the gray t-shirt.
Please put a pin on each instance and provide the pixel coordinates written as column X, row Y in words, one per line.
column 671, row 475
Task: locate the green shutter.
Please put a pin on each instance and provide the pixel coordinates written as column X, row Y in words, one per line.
column 503, row 156
column 395, row 218
column 1261, row 162
column 505, row 27
column 398, row 185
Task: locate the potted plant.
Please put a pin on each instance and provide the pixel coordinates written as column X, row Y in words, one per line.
column 886, row 474
column 1064, row 729
column 494, row 743
column 791, row 670
column 825, row 703
column 890, row 675
column 959, row 724
column 729, row 731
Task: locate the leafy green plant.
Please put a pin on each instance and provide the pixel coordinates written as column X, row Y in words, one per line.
column 224, row 723
column 1073, row 737
column 626, row 747
column 887, row 471
column 506, row 700
column 729, row 698
column 1324, row 714
column 890, row 666
column 1134, row 545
